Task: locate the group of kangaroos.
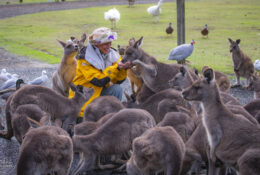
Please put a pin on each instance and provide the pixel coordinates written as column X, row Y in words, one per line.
column 176, row 121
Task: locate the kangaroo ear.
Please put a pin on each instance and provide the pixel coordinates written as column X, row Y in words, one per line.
column 62, row 43
column 46, row 120
column 209, row 75
column 73, row 87
column 195, row 71
column 33, row 123
column 138, row 43
column 238, row 41
column 128, row 98
column 83, row 38
column 230, row 40
column 182, row 70
column 131, row 41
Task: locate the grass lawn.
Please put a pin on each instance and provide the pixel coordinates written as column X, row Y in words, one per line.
column 35, row 35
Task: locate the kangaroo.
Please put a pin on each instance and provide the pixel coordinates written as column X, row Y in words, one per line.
column 63, row 111
column 133, row 75
column 221, row 79
column 253, row 108
column 181, row 122
column 154, row 74
column 45, row 150
column 20, row 123
column 243, row 65
column 255, row 86
column 158, row 149
column 66, row 70
column 113, row 137
column 151, row 104
column 102, row 106
column 185, row 78
column 88, row 127
column 222, row 138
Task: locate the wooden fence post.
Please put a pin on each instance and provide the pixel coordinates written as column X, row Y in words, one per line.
column 180, row 21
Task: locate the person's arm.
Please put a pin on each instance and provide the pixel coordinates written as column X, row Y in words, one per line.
column 116, row 74
column 93, row 75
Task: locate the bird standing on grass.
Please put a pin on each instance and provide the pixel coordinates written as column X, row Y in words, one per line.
column 113, row 16
column 169, row 29
column 181, row 52
column 205, row 31
column 155, row 10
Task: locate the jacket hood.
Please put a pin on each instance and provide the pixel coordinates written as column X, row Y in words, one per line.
column 98, row 60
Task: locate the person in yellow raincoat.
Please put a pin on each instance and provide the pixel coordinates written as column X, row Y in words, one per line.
column 100, row 68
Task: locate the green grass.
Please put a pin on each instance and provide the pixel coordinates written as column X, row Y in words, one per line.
column 35, row 35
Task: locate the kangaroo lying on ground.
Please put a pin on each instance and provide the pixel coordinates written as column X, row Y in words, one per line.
column 66, row 70
column 63, row 111
column 113, row 137
column 158, row 149
column 102, row 106
column 243, row 65
column 45, row 150
column 217, row 119
column 154, row 74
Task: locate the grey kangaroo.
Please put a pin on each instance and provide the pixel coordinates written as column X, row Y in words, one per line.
column 154, row 74
column 237, row 146
column 243, row 65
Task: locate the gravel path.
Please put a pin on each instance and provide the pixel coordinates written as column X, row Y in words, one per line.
column 20, row 9
column 29, row 69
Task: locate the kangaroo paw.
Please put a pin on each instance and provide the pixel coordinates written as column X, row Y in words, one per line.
column 235, row 85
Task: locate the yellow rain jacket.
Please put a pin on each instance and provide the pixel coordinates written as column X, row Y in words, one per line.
column 86, row 75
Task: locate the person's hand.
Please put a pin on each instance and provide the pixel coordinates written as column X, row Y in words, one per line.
column 125, row 65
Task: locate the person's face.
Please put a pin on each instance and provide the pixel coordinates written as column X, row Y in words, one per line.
column 104, row 48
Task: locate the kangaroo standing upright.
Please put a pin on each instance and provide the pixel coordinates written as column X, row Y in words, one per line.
column 66, row 70
column 232, row 138
column 243, row 65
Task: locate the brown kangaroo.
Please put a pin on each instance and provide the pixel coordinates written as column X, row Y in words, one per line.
column 243, row 65
column 66, row 70
column 153, row 102
column 45, row 150
column 63, row 111
column 255, row 86
column 154, row 74
column 133, row 75
column 158, row 149
column 185, row 78
column 217, row 119
column 113, row 137
column 221, row 79
column 102, row 106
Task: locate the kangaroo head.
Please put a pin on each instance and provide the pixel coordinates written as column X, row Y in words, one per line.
column 254, row 84
column 133, row 52
column 182, row 79
column 70, row 47
column 202, row 88
column 234, row 45
column 84, row 92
